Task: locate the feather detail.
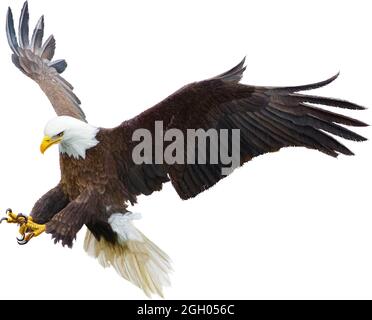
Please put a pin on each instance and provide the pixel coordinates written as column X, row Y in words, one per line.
column 37, row 36
column 133, row 256
column 234, row 75
column 23, row 31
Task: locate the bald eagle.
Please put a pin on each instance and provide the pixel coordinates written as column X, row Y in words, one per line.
column 99, row 176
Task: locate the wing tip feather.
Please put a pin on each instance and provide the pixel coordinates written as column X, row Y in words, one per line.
column 10, row 32
column 23, row 29
column 234, row 74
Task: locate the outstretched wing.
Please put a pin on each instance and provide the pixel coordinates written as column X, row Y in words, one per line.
column 34, row 59
column 269, row 118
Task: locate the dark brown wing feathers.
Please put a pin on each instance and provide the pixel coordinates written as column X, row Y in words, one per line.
column 49, row 205
column 269, row 118
column 233, row 75
column 85, row 209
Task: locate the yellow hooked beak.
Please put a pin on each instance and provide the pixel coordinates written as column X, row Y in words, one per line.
column 48, row 142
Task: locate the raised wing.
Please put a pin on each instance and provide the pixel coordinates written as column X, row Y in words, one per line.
column 268, row 118
column 34, row 59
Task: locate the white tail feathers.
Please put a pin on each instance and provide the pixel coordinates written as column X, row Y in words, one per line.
column 134, row 256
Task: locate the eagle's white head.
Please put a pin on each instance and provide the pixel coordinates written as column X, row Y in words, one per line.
column 74, row 137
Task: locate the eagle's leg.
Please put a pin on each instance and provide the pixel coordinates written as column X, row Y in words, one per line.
column 28, row 228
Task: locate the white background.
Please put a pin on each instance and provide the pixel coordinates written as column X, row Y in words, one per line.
column 295, row 224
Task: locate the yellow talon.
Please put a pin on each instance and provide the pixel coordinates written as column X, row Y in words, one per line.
column 28, row 228
column 12, row 217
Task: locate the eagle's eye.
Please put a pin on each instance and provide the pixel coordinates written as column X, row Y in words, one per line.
column 59, row 135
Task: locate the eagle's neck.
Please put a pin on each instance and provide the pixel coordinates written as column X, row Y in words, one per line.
column 79, row 140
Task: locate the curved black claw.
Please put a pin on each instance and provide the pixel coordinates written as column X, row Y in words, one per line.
column 3, row 219
column 8, row 211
